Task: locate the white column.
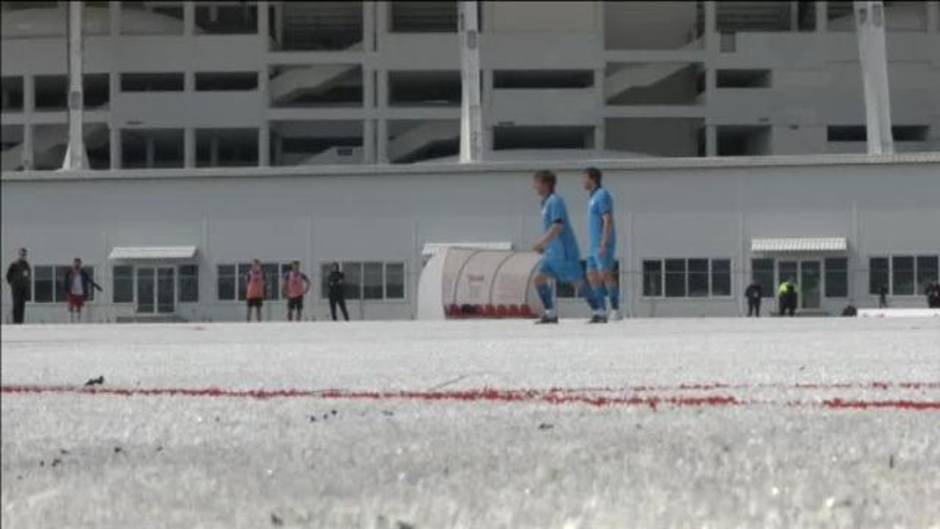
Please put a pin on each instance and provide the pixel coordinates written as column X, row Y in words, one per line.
column 710, row 36
column 75, row 156
column 471, row 113
column 381, row 22
column 29, row 105
column 822, row 16
column 711, row 140
column 870, row 28
column 381, row 144
column 368, row 25
column 114, row 151
column 26, row 156
column 189, row 147
column 263, row 24
column 264, row 144
column 368, row 140
column 189, row 18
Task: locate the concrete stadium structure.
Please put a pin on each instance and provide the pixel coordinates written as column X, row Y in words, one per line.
column 203, row 84
column 167, row 244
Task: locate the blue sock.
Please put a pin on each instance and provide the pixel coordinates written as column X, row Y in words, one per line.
column 545, row 294
column 614, row 294
column 600, row 303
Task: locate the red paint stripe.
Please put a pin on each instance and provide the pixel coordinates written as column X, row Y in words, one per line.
column 557, row 396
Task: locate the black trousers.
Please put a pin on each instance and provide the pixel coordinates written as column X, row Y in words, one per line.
column 341, row 301
column 787, row 305
column 753, row 307
column 19, row 305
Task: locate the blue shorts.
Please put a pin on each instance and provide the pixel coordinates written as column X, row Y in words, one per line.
column 596, row 263
column 564, row 271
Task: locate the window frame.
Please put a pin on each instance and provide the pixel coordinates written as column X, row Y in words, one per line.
column 916, row 271
column 324, row 266
column 686, row 297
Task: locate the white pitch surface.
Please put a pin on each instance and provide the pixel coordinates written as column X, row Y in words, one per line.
column 778, row 458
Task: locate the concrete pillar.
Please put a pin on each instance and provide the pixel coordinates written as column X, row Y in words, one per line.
column 368, row 25
column 189, row 147
column 29, row 94
column 600, row 101
column 114, row 19
column 75, row 155
column 189, row 18
column 381, row 136
column 264, row 144
column 711, row 140
column 26, row 156
column 278, row 25
column 368, row 140
column 711, row 17
column 471, row 112
column 870, row 30
column 263, row 24
column 115, row 146
column 381, row 22
column 822, row 16
column 794, row 16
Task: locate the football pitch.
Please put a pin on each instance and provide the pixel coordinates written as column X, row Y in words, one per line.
column 498, row 424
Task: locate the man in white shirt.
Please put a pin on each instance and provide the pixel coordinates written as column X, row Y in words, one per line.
column 78, row 285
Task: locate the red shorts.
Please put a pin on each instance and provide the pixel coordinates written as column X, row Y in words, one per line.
column 75, row 302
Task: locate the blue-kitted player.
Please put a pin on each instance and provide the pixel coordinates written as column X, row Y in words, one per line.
column 603, row 238
column 561, row 259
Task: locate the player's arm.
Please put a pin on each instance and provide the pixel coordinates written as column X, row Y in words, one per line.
column 548, row 236
column 605, row 237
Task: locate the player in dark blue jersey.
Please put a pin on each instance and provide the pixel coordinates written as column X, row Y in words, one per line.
column 561, row 259
column 603, row 248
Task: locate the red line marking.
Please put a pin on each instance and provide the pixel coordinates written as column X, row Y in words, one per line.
column 556, row 396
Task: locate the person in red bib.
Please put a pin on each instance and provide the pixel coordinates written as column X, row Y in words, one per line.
column 296, row 286
column 254, row 291
column 78, row 284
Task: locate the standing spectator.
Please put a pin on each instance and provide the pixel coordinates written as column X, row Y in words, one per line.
column 78, row 285
column 337, row 291
column 787, row 298
column 753, row 294
column 883, row 297
column 19, row 276
column 933, row 295
column 296, row 286
column 254, row 291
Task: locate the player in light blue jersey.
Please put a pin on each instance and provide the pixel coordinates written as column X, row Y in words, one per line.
column 561, row 259
column 601, row 257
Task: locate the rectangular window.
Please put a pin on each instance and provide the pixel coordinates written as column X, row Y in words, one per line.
column 878, row 274
column 271, row 280
column 926, row 271
column 762, row 272
column 44, row 284
column 395, row 280
column 122, row 284
column 675, row 278
column 225, row 282
column 243, row 269
column 837, row 277
column 188, row 284
column 742, row 78
column 698, row 278
column 226, row 81
column 721, row 277
column 152, row 82
column 902, row 275
column 372, row 281
column 60, row 288
column 353, row 273
column 652, row 279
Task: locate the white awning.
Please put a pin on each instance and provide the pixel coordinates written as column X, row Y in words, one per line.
column 150, row 253
column 800, row 244
column 433, row 248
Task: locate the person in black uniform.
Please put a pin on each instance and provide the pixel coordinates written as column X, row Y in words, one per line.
column 753, row 294
column 336, row 283
column 883, row 297
column 933, row 295
column 19, row 276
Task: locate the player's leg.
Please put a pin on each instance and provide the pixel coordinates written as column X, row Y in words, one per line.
column 543, row 286
column 299, row 309
column 342, row 308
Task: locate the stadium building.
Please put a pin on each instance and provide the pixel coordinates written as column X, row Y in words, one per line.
column 730, row 133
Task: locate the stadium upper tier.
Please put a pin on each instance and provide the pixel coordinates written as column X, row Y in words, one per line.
column 222, row 84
